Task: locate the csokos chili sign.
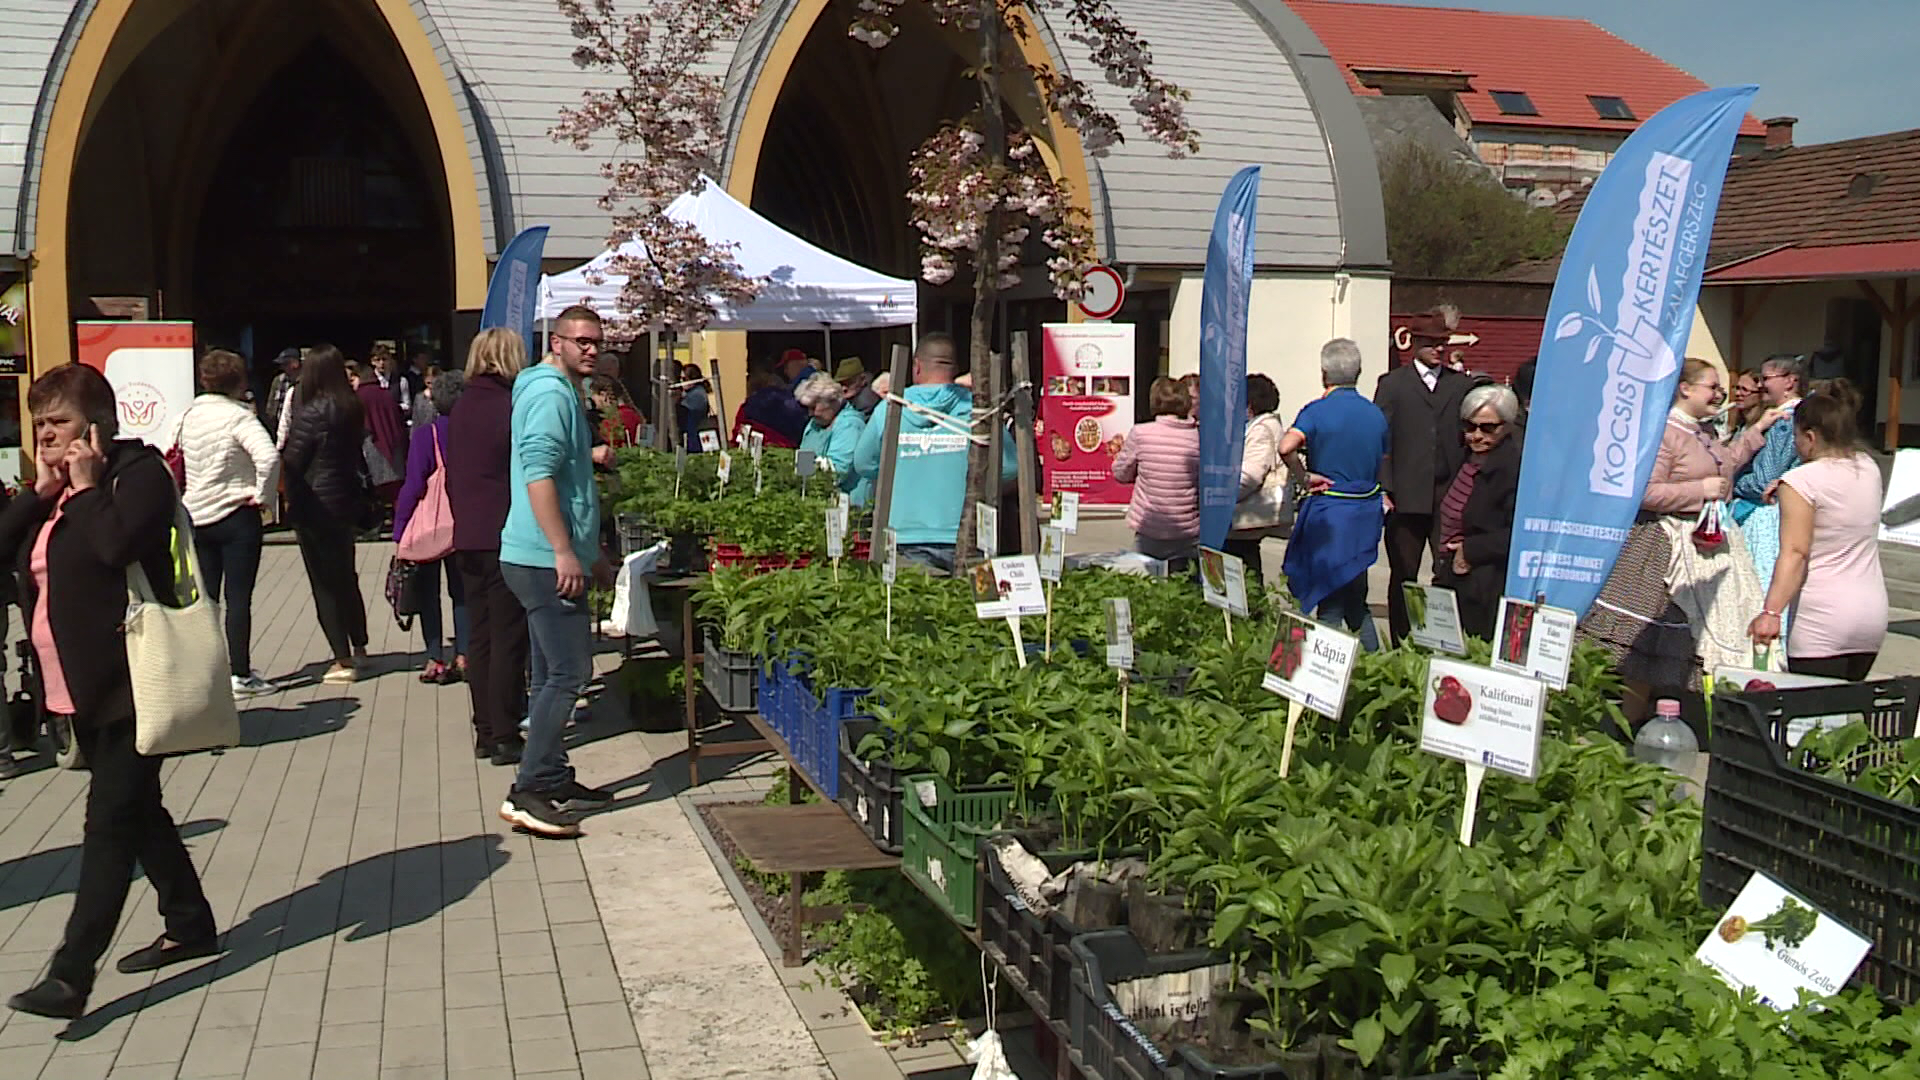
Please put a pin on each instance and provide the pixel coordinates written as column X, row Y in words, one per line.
column 1616, row 329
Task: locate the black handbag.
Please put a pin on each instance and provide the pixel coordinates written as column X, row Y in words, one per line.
column 403, row 592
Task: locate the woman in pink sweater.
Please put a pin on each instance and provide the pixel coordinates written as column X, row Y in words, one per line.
column 1161, row 459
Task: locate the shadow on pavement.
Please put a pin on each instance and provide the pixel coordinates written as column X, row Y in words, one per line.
column 57, row 870
column 261, row 725
column 368, row 898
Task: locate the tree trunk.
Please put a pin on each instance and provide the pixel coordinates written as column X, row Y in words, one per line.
column 986, row 274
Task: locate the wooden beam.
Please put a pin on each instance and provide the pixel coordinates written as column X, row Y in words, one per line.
column 897, row 383
column 1879, row 302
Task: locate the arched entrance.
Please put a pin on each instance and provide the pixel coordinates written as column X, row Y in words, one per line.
column 276, row 173
column 821, row 145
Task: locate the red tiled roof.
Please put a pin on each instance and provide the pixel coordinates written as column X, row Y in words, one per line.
column 1861, row 193
column 1898, row 258
column 1556, row 62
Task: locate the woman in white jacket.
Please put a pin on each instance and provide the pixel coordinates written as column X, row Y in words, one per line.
column 1262, row 510
column 232, row 471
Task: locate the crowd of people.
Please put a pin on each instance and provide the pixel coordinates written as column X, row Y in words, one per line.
column 505, row 451
column 1759, row 526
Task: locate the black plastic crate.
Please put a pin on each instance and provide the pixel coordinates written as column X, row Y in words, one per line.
column 870, row 790
column 729, row 675
column 1854, row 855
column 1034, row 949
column 1108, row 1046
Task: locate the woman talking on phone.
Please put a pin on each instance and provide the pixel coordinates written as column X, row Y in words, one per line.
column 97, row 507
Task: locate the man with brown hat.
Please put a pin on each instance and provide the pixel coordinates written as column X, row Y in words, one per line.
column 1422, row 401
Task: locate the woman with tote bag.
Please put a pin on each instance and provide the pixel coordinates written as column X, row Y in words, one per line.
column 99, row 518
column 423, row 531
column 1266, row 503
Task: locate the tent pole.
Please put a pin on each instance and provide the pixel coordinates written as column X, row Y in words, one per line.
column 827, row 360
column 653, row 376
column 719, row 409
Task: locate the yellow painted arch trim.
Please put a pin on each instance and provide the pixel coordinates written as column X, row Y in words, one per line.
column 1065, row 155
column 48, row 300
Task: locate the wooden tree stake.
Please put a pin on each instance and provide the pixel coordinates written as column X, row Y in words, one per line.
column 1476, row 775
column 1019, row 647
column 1286, row 748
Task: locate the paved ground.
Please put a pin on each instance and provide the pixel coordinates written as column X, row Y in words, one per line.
column 383, row 923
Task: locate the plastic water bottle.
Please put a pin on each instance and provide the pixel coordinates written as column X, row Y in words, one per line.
column 1666, row 741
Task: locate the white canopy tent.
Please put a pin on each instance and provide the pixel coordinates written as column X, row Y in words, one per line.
column 806, row 288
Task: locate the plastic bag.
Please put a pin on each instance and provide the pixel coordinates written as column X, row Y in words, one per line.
column 1709, row 535
column 632, row 614
column 989, row 1058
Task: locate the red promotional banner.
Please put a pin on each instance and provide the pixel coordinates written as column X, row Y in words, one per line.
column 1086, row 409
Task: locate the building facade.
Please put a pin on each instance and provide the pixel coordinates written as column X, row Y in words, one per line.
column 348, row 170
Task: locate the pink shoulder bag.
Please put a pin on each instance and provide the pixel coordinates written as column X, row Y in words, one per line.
column 429, row 535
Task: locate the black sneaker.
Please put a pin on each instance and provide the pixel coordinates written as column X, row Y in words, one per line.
column 573, row 795
column 508, row 752
column 533, row 813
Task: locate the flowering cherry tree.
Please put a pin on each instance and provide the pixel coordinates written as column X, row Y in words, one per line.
column 663, row 115
column 980, row 190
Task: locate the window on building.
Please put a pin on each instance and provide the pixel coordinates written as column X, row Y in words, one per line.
column 1611, row 108
column 1514, row 103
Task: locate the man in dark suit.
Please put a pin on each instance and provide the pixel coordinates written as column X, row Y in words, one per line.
column 1421, row 399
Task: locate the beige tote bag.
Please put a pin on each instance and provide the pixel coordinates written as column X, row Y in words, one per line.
column 177, row 661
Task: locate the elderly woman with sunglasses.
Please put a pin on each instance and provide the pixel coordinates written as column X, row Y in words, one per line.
column 1475, row 520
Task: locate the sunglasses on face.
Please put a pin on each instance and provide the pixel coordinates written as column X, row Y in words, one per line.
column 1484, row 429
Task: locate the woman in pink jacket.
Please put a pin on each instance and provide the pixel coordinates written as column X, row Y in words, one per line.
column 1635, row 618
column 1161, row 459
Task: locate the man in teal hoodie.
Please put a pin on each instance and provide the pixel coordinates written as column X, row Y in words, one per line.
column 930, row 466
column 551, row 538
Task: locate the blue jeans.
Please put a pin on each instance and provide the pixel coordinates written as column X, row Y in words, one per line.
column 432, row 628
column 930, row 556
column 561, row 634
column 1348, row 607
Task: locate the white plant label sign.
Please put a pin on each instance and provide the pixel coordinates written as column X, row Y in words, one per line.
column 889, row 556
column 1066, row 511
column 709, row 441
column 1119, row 633
column 724, row 470
column 836, row 534
column 1223, row 578
column 1053, row 552
column 1007, row 587
column 1483, row 717
column 1750, row 947
column 1434, row 617
column 1534, row 640
column 1311, row 664
column 986, row 529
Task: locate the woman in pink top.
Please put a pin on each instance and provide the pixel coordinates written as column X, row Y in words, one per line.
column 98, row 506
column 1635, row 619
column 1161, row 459
column 1829, row 566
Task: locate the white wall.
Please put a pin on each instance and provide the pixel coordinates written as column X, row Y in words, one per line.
column 1291, row 316
column 1793, row 318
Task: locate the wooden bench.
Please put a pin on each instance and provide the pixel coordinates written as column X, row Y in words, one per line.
column 800, row 840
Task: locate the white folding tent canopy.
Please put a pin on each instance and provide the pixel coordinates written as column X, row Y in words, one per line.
column 806, row 288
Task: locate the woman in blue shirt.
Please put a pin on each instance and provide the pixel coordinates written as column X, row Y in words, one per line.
column 833, row 432
column 1336, row 535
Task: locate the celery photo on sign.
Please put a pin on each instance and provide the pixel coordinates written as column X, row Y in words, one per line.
column 1780, row 945
column 1434, row 615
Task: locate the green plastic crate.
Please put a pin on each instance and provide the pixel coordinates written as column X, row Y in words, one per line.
column 941, row 840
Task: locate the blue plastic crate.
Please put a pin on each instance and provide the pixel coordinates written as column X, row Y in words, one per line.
column 849, row 704
column 816, row 729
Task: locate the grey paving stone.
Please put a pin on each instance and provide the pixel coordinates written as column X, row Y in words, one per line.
column 232, row 1008
column 409, row 1008
column 479, row 988
column 602, row 1027
column 281, row 1062
column 543, row 1055
column 534, row 995
column 354, row 1005
column 347, row 1063
column 77, row 1067
column 402, row 1047
column 350, row 1036
column 622, row 1064
column 215, row 1052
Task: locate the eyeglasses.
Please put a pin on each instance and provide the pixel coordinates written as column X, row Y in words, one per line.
column 1484, row 429
column 1770, row 376
column 593, row 343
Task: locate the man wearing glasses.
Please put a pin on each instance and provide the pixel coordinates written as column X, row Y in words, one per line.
column 551, row 538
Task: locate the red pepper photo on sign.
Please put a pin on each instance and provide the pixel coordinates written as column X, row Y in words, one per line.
column 1451, row 701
